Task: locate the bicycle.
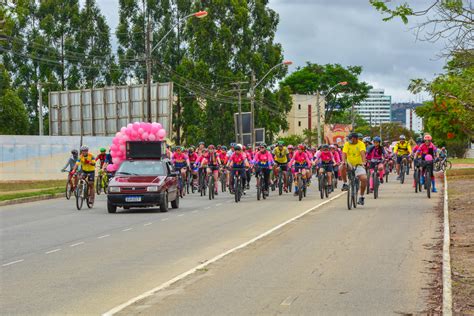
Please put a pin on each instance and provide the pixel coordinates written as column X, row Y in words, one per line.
column 181, row 186
column 403, row 167
column 353, row 191
column 417, row 175
column 70, row 184
column 323, row 184
column 202, row 181
column 210, row 185
column 238, row 186
column 223, row 179
column 301, row 183
column 428, row 171
column 82, row 193
column 260, row 178
column 281, row 179
column 376, row 176
column 443, row 165
column 290, row 180
column 102, row 181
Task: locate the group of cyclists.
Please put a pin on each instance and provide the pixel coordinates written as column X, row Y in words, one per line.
column 270, row 163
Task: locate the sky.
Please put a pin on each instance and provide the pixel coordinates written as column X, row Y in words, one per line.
column 348, row 32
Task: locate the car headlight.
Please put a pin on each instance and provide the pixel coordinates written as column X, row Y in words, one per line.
column 153, row 188
column 114, row 189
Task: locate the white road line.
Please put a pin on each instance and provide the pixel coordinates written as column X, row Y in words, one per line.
column 180, row 215
column 53, row 251
column 13, row 262
column 147, row 224
column 206, row 208
column 77, row 244
column 218, row 204
column 127, row 229
column 447, row 292
column 216, row 258
column 104, row 236
column 288, row 301
column 194, row 211
column 164, row 219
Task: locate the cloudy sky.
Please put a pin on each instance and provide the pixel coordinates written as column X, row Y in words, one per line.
column 349, row 32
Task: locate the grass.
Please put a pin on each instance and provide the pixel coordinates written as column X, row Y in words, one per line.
column 465, row 173
column 12, row 196
column 462, row 160
column 31, row 185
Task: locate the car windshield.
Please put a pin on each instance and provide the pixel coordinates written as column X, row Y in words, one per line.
column 142, row 167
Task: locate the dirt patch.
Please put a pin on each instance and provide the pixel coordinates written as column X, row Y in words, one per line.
column 461, row 217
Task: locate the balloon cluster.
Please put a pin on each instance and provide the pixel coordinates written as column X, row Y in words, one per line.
column 138, row 131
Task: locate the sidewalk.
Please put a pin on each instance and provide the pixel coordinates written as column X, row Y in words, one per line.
column 374, row 260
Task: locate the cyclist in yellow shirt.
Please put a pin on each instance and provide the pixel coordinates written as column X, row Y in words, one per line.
column 353, row 155
column 87, row 163
column 402, row 149
column 280, row 155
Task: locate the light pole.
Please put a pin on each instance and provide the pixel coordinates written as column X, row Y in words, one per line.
column 342, row 83
column 149, row 51
column 253, row 86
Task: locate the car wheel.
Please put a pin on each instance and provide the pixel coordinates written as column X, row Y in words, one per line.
column 126, row 207
column 111, row 208
column 175, row 203
column 164, row 203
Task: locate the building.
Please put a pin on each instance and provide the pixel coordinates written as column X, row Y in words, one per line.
column 304, row 114
column 413, row 121
column 399, row 111
column 376, row 109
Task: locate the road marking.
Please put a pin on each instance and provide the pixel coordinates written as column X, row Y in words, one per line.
column 147, row 224
column 216, row 258
column 77, row 244
column 127, row 229
column 447, row 294
column 164, row 219
column 289, row 300
column 104, row 236
column 218, row 204
column 13, row 262
column 53, row 251
column 194, row 211
column 206, row 208
column 180, row 215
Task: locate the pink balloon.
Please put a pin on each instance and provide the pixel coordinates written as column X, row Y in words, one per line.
column 154, row 129
column 115, row 141
column 116, row 160
column 129, row 126
column 128, row 131
column 152, row 137
column 159, row 126
column 122, row 130
column 134, row 135
column 145, row 136
column 122, row 148
column 113, row 147
column 118, row 134
column 126, row 138
column 140, row 131
column 161, row 134
column 112, row 168
column 136, row 126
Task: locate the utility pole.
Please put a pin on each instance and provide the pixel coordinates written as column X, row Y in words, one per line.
column 319, row 117
column 240, row 123
column 252, row 107
column 40, row 108
column 352, row 117
column 148, row 68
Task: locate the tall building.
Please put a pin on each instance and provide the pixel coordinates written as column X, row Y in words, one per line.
column 304, row 114
column 376, row 109
column 413, row 122
column 399, row 111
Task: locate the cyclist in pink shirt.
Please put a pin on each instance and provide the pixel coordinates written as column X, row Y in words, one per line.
column 301, row 161
column 263, row 162
column 427, row 148
column 375, row 155
column 180, row 161
column 325, row 161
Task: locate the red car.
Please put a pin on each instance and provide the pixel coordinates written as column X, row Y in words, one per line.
column 143, row 183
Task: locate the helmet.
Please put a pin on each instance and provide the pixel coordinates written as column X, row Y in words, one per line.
column 211, row 147
column 74, row 152
column 332, row 146
column 178, row 148
column 352, row 135
column 201, row 143
column 443, row 148
column 244, row 148
column 238, row 147
column 419, row 140
column 281, row 143
column 268, row 148
column 402, row 137
column 249, row 145
column 290, row 147
column 377, row 139
column 218, row 146
column 84, row 148
column 428, row 137
column 367, row 139
column 301, row 146
column 325, row 146
column 103, row 150
column 262, row 144
column 224, row 147
column 191, row 149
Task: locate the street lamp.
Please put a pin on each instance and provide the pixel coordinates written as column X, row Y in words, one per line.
column 253, row 86
column 342, row 83
column 149, row 50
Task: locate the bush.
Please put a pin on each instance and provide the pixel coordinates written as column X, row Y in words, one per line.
column 457, row 148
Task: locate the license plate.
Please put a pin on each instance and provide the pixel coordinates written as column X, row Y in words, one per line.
column 133, row 199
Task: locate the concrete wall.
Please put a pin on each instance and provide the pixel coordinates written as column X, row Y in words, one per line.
column 41, row 157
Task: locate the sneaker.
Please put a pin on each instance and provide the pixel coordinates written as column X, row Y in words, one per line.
column 215, row 193
column 296, row 193
column 381, row 180
column 434, row 190
column 398, row 177
column 371, row 191
column 345, row 187
column 361, row 200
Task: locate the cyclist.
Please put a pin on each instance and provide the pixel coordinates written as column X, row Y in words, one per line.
column 263, row 162
column 281, row 162
column 87, row 162
column 291, row 151
column 214, row 163
column 367, row 142
column 353, row 155
column 192, row 157
column 388, row 154
column 180, row 161
column 301, row 161
column 325, row 162
column 375, row 156
column 102, row 156
column 71, row 162
column 250, row 156
column 337, row 159
column 443, row 153
column 237, row 162
column 402, row 149
column 427, row 148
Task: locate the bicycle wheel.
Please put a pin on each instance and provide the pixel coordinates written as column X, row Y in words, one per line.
column 376, row 184
column 355, row 193
column 449, row 165
column 321, row 185
column 68, row 189
column 211, row 187
column 262, row 184
column 86, row 197
column 280, row 183
column 259, row 188
column 79, row 196
column 98, row 182
column 326, row 186
column 290, row 180
column 368, row 177
column 300, row 187
column 416, row 178
column 428, row 182
column 349, row 196
column 402, row 173
column 387, row 171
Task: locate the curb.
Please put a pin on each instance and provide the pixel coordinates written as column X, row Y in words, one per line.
column 32, row 199
column 447, row 294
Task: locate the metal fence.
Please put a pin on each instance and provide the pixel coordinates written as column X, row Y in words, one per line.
column 103, row 111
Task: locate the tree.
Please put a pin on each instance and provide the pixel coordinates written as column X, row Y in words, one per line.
column 13, row 116
column 313, row 78
column 452, row 20
column 292, row 139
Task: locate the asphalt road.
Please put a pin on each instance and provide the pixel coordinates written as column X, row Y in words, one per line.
column 57, row 260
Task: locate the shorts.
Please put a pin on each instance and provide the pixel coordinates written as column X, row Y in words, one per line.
column 179, row 166
column 399, row 158
column 282, row 166
column 89, row 175
column 359, row 171
column 328, row 167
column 298, row 166
column 213, row 168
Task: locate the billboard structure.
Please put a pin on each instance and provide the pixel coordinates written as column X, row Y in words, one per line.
column 103, row 111
column 259, row 135
column 247, row 135
column 336, row 133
